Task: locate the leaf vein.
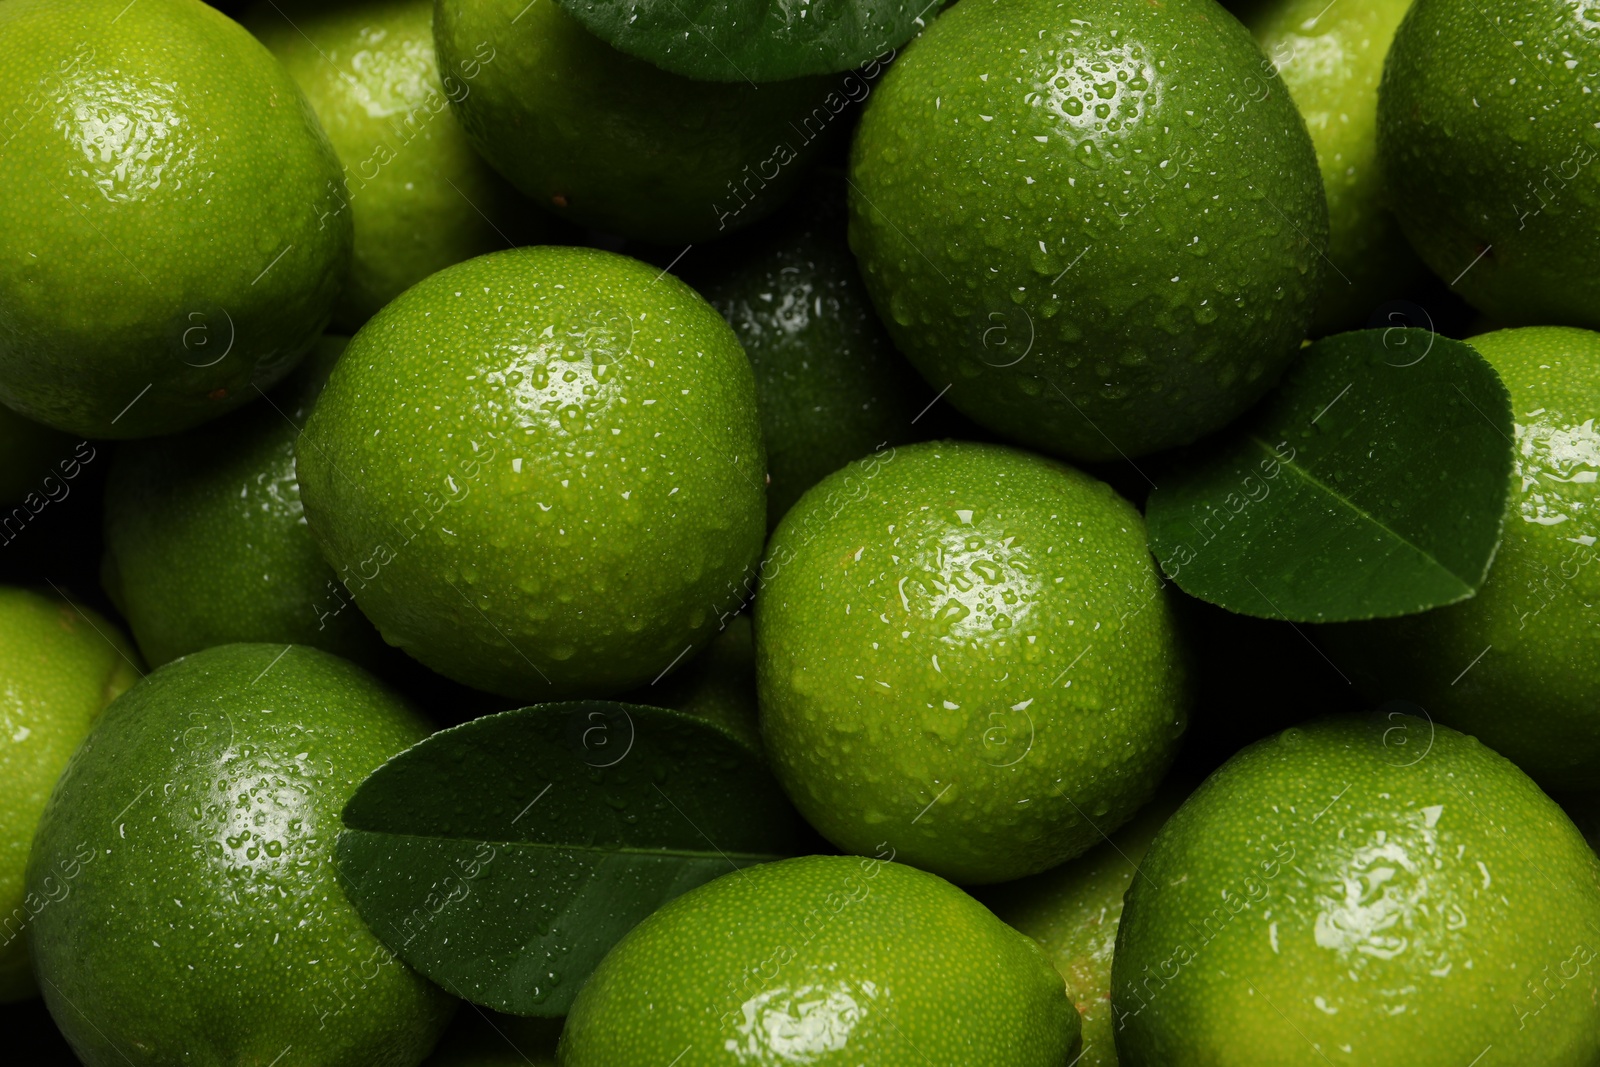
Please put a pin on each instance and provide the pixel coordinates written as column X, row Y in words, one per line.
column 1307, row 476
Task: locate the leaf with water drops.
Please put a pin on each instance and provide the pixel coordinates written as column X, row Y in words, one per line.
column 504, row 857
column 754, row 40
column 1372, row 483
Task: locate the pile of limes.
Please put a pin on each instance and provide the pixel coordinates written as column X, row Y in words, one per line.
column 370, row 367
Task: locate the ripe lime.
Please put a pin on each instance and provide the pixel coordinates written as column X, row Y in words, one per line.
column 826, row 960
column 420, row 197
column 1073, row 913
column 1330, row 59
column 965, row 651
column 206, row 541
column 163, row 251
column 1333, row 895
column 1100, row 228
column 612, row 142
column 1517, row 665
column 1486, row 134
column 539, row 472
column 59, row 667
column 188, row 854
column 831, row 386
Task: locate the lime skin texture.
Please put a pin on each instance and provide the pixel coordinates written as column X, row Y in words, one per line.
column 1331, row 60
column 196, row 914
column 206, row 538
column 967, row 653
column 1486, row 134
column 162, row 253
column 1367, row 889
column 1518, row 665
column 59, row 667
column 420, row 198
column 1098, row 224
column 539, row 472
column 611, row 142
column 1073, row 911
column 831, row 386
column 832, row 961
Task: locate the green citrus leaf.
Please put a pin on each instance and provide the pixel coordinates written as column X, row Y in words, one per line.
column 504, row 857
column 1372, row 483
column 754, row 40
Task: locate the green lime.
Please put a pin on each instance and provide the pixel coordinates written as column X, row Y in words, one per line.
column 1518, row 665
column 831, row 386
column 719, row 684
column 1100, row 229
column 965, row 651
column 172, row 239
column 481, row 1038
column 1330, row 59
column 825, row 960
column 420, row 197
column 1486, row 135
column 59, row 666
column 196, row 915
column 612, row 142
column 29, row 455
column 206, row 540
column 1073, row 912
column 538, row 472
column 1364, row 891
